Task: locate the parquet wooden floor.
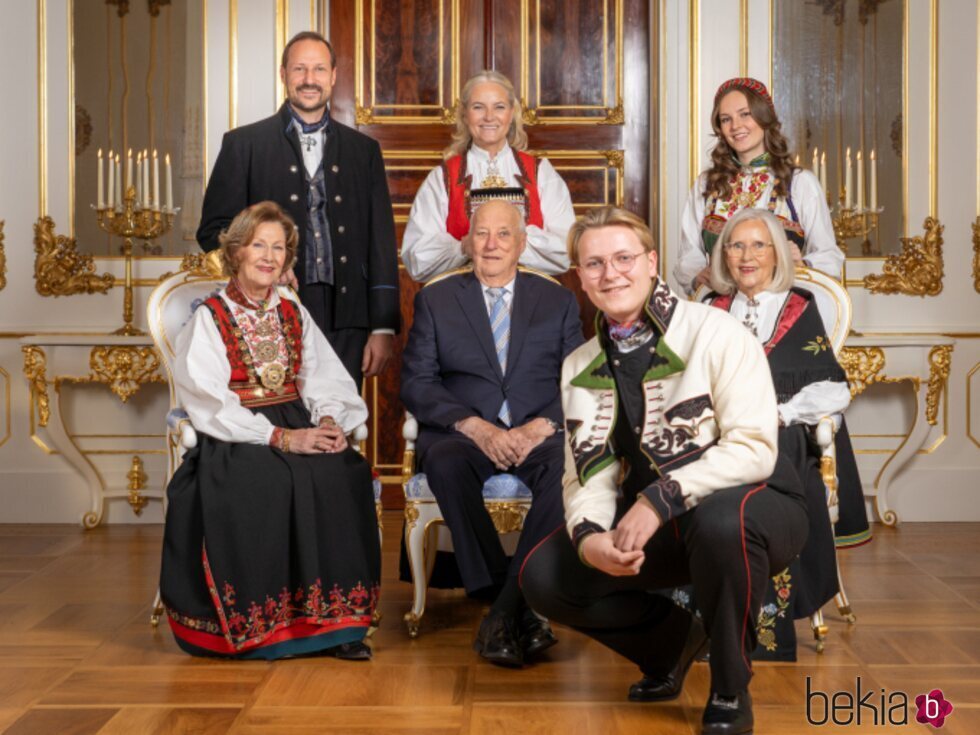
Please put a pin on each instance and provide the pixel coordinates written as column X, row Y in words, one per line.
column 77, row 655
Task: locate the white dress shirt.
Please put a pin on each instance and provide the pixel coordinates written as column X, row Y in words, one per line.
column 202, row 374
column 814, row 401
column 428, row 249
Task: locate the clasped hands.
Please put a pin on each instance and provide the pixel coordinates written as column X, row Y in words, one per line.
column 505, row 447
column 619, row 552
column 327, row 438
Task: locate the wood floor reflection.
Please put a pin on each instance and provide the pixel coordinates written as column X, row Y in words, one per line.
column 77, row 654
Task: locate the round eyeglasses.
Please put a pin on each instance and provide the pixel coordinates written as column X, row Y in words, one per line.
column 753, row 247
column 622, row 262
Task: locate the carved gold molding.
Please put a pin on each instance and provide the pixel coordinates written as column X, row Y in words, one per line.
column 917, row 270
column 411, row 516
column 35, row 364
column 862, row 365
column 3, row 260
column 976, row 255
column 940, row 357
column 137, row 483
column 508, row 516
column 123, row 368
column 59, row 269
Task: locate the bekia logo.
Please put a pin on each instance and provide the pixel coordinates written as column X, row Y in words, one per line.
column 871, row 707
column 934, row 708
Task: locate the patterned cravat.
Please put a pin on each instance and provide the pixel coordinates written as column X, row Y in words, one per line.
column 500, row 327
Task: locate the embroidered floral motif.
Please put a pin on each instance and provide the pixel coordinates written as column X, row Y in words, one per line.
column 662, row 304
column 769, row 614
column 690, row 409
column 816, row 346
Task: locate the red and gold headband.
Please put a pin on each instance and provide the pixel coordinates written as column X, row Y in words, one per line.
column 753, row 85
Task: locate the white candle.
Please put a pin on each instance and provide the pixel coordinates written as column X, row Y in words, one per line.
column 170, row 185
column 99, row 197
column 129, row 168
column 156, row 182
column 146, row 179
column 860, row 182
column 816, row 164
column 111, row 193
column 139, row 180
column 848, row 176
column 797, row 160
column 823, row 171
column 119, row 199
column 874, row 182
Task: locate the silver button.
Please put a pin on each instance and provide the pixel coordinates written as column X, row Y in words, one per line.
column 343, row 289
column 293, row 169
column 294, row 197
column 338, row 199
column 340, row 229
column 316, row 234
column 653, row 466
column 319, row 260
column 312, row 187
column 335, row 168
column 343, row 258
column 652, row 350
column 638, row 429
column 616, row 363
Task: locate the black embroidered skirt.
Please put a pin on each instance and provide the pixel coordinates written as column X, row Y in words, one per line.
column 852, row 528
column 269, row 554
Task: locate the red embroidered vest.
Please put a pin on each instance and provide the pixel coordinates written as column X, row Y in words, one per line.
column 249, row 391
column 458, row 186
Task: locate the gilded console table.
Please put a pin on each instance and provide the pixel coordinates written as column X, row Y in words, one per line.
column 123, row 364
column 921, row 360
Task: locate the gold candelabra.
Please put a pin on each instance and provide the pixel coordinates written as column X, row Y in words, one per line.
column 854, row 221
column 130, row 221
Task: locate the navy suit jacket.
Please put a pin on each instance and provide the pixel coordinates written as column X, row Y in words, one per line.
column 450, row 369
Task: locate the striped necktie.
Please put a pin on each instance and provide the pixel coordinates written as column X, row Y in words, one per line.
column 500, row 327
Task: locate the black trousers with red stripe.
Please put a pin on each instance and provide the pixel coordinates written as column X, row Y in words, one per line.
column 727, row 548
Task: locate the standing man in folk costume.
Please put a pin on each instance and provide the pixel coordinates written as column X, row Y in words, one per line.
column 331, row 180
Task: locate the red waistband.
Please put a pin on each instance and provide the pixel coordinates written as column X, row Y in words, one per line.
column 251, row 394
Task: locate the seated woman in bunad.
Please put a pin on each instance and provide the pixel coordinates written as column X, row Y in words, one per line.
column 672, row 476
column 487, row 159
column 271, row 542
column 752, row 278
column 751, row 167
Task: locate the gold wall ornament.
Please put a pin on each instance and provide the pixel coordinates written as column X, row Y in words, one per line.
column 35, row 364
column 976, row 254
column 940, row 357
column 59, row 269
column 124, row 368
column 507, row 516
column 917, row 270
column 862, row 365
column 137, row 483
column 3, row 260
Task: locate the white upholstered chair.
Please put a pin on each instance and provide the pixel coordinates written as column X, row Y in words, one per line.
column 834, row 306
column 168, row 309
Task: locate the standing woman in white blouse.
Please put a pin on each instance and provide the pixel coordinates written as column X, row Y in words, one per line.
column 271, row 541
column 751, row 167
column 487, row 152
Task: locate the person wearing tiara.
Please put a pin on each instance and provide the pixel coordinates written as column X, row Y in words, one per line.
column 751, row 167
column 271, row 543
column 487, row 160
column 331, row 180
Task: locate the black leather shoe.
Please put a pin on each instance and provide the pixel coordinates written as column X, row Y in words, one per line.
column 535, row 634
column 497, row 641
column 356, row 651
column 664, row 688
column 728, row 715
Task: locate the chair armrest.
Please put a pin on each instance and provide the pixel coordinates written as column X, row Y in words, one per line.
column 410, row 432
column 180, row 424
column 360, row 435
column 825, row 430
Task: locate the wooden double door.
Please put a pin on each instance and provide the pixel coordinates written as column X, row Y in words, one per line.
column 583, row 71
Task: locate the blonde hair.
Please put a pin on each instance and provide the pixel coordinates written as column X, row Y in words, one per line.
column 516, row 137
column 242, row 229
column 608, row 216
column 785, row 270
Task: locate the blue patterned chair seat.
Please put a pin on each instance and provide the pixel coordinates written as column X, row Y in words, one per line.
column 498, row 487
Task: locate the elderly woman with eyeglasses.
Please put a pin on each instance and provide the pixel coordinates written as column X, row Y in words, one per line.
column 752, row 273
column 271, row 542
column 671, row 477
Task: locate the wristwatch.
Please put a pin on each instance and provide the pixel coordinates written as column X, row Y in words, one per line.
column 558, row 428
